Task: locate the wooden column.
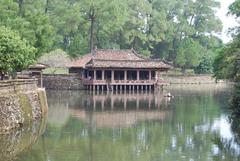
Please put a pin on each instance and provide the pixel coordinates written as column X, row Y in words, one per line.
column 125, row 75
column 112, row 72
column 156, row 75
column 138, row 75
column 150, row 74
column 103, row 75
column 94, row 75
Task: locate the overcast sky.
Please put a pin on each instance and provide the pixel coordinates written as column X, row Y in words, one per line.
column 228, row 21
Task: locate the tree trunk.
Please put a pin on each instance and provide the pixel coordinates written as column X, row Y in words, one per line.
column 20, row 6
column 46, row 7
column 92, row 19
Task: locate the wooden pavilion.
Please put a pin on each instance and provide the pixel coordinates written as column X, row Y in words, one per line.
column 119, row 70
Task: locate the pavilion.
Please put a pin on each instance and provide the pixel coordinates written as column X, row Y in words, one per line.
column 119, row 70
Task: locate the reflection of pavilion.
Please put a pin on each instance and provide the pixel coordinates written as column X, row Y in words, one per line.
column 118, row 118
column 107, row 109
column 125, row 101
column 121, row 110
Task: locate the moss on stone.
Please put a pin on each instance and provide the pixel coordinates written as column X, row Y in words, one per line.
column 26, row 108
column 43, row 101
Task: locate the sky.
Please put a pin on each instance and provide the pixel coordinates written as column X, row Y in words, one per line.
column 228, row 21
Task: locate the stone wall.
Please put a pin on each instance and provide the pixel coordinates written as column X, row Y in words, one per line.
column 21, row 102
column 62, row 82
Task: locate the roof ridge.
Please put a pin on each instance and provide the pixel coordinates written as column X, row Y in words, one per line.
column 139, row 55
column 147, row 60
column 113, row 50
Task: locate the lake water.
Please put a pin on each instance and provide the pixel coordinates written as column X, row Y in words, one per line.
column 144, row 126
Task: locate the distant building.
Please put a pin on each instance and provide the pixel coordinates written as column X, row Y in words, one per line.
column 119, row 70
column 33, row 71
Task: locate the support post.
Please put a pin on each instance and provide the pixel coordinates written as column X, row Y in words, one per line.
column 150, row 75
column 94, row 75
column 137, row 75
column 125, row 75
column 112, row 74
column 103, row 75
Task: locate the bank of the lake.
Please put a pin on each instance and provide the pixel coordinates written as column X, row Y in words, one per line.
column 74, row 82
column 21, row 102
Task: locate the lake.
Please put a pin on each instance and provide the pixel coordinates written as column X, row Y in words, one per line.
column 130, row 126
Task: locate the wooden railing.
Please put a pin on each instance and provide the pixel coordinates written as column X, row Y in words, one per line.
column 118, row 82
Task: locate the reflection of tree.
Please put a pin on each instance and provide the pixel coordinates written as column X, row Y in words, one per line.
column 235, row 116
column 229, row 149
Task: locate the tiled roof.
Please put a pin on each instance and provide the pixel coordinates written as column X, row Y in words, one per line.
column 117, row 55
column 81, row 62
column 127, row 64
column 117, row 59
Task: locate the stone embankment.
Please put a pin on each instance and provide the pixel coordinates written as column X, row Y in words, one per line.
column 74, row 82
column 62, row 82
column 196, row 79
column 21, row 102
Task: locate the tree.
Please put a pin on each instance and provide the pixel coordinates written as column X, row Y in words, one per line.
column 56, row 59
column 189, row 54
column 155, row 28
column 227, row 62
column 27, row 17
column 15, row 53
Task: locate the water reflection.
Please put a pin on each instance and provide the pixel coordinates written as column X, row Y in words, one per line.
column 19, row 140
column 136, row 126
column 228, row 147
column 109, row 109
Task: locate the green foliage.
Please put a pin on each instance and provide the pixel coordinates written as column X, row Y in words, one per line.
column 32, row 24
column 15, row 53
column 227, row 62
column 189, row 53
column 177, row 31
column 205, row 65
